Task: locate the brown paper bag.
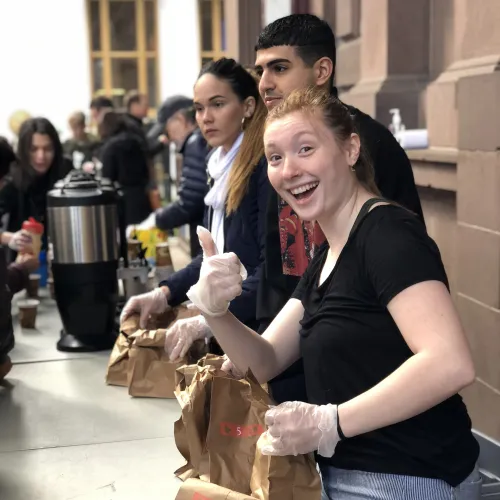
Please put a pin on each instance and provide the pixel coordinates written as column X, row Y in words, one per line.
column 212, row 360
column 194, row 489
column 237, row 410
column 118, row 365
column 193, row 392
column 118, row 361
column 184, row 376
column 293, row 478
column 150, row 372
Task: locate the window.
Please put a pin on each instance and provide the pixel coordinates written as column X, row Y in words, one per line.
column 212, row 30
column 123, row 48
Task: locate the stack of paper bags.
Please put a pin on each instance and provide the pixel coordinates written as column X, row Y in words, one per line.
column 139, row 361
column 218, row 434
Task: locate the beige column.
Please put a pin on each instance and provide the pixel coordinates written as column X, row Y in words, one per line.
column 324, row 9
column 347, row 33
column 243, row 25
column 394, row 55
column 470, row 103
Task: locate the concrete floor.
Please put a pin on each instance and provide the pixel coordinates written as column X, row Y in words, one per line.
column 65, row 435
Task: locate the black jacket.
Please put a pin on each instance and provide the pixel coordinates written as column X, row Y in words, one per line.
column 124, row 160
column 190, row 206
column 32, row 202
column 12, row 280
column 244, row 234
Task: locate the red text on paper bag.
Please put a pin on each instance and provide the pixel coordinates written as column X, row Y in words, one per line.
column 241, row 431
column 199, row 496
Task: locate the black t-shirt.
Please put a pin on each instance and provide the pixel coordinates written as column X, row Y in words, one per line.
column 349, row 343
column 394, row 178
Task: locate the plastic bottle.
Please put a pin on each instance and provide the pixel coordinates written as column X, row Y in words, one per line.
column 396, row 125
column 35, row 229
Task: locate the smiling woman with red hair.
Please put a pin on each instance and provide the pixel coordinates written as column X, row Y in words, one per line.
column 384, row 352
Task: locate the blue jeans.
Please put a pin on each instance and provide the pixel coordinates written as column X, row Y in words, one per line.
column 342, row 484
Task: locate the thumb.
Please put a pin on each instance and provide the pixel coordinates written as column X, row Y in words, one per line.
column 206, row 242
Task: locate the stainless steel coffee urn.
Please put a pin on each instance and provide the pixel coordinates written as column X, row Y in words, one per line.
column 84, row 243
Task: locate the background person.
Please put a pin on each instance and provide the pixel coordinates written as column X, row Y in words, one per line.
column 40, row 164
column 13, row 279
column 177, row 117
column 81, row 142
column 124, row 161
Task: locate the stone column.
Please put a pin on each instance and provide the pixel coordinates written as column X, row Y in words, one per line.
column 324, row 9
column 243, row 25
column 347, row 34
column 394, row 55
column 470, row 101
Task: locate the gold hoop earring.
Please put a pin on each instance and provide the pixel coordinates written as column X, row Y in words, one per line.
column 243, row 123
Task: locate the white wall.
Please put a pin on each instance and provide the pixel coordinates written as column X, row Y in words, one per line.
column 179, row 46
column 45, row 59
column 274, row 9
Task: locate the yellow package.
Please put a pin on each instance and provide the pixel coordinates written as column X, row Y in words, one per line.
column 149, row 238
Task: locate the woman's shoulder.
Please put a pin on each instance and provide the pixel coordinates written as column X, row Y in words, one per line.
column 392, row 228
column 391, row 216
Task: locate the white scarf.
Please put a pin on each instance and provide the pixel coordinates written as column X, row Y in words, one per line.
column 219, row 167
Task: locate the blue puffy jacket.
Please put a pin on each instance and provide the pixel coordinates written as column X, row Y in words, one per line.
column 244, row 234
column 190, row 206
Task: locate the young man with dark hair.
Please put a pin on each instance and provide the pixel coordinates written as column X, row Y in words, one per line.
column 292, row 53
column 98, row 106
column 137, row 105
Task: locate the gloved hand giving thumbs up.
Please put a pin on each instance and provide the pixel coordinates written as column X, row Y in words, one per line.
column 221, row 278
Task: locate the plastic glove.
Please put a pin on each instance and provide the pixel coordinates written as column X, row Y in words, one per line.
column 89, row 167
column 154, row 302
column 20, row 241
column 296, row 428
column 146, row 224
column 221, row 278
column 181, row 335
column 230, row 369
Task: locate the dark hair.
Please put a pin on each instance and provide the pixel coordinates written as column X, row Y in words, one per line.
column 23, row 172
column 101, row 102
column 112, row 123
column 132, row 97
column 244, row 85
column 311, row 37
column 189, row 114
column 7, row 157
column 337, row 117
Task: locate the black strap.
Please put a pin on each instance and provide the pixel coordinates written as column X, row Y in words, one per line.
column 340, row 434
column 364, row 212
